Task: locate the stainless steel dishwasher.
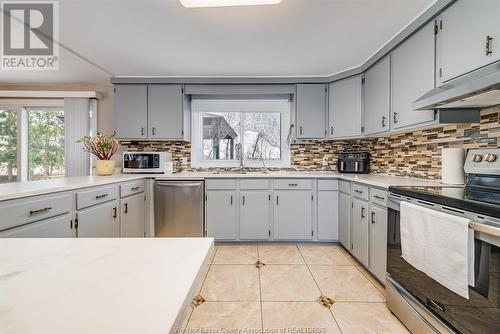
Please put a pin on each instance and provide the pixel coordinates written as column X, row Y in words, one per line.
column 178, row 207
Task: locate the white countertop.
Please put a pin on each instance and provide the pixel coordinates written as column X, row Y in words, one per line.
column 24, row 189
column 98, row 285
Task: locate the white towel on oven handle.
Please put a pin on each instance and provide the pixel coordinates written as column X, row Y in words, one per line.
column 439, row 244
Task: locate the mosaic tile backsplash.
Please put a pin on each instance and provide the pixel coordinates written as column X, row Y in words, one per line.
column 416, row 153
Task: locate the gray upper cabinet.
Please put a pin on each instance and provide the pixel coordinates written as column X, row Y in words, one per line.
column 156, row 112
column 345, row 108
column 412, row 75
column 377, row 93
column 165, row 119
column 311, row 111
column 131, row 111
column 468, row 37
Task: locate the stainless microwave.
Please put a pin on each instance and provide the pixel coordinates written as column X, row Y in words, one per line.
column 147, row 162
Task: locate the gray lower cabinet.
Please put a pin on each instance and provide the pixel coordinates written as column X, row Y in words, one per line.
column 344, row 219
column 293, row 215
column 311, row 111
column 254, row 215
column 328, row 224
column 359, row 230
column 345, row 109
column 412, row 75
column 378, row 241
column 99, row 221
column 131, row 111
column 221, row 215
column 377, row 97
column 132, row 216
column 57, row 227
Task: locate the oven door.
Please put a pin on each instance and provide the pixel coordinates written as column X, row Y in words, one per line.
column 478, row 314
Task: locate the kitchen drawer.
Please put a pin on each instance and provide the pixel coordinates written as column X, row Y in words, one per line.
column 31, row 209
column 212, row 184
column 360, row 191
column 378, row 196
column 131, row 188
column 293, row 183
column 345, row 187
column 93, row 196
column 254, row 184
column 328, row 185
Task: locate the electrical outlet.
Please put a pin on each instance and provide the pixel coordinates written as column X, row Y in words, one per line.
column 324, row 161
column 183, row 160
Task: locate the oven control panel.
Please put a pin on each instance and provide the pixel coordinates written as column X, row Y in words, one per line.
column 483, row 161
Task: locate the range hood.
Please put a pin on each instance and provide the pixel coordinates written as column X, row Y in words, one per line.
column 474, row 91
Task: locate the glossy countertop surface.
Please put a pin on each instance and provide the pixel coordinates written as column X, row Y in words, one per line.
column 103, row 285
column 24, row 189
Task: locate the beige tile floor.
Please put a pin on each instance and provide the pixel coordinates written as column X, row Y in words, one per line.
column 281, row 296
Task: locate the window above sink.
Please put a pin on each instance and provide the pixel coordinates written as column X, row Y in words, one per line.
column 222, row 128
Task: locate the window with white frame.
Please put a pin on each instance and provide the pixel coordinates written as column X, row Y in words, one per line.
column 38, row 139
column 223, row 130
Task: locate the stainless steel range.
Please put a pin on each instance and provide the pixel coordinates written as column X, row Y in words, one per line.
column 423, row 304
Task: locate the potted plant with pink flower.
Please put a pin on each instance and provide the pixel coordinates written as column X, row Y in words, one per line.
column 103, row 148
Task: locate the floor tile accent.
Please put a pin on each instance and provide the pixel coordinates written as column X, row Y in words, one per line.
column 280, row 254
column 325, row 301
column 298, row 317
column 345, row 283
column 231, row 283
column 224, row 317
column 259, row 264
column 197, row 301
column 367, row 318
column 236, row 254
column 287, row 283
column 324, row 255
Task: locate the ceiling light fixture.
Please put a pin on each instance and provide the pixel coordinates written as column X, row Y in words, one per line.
column 225, row 3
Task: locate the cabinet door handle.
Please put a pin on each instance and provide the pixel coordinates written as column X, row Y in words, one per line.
column 358, row 191
column 395, row 117
column 379, row 197
column 153, row 130
column 33, row 212
column 292, row 184
column 243, row 199
column 126, row 208
column 373, row 217
column 135, row 188
column 489, row 42
column 231, row 200
column 383, row 121
column 300, row 129
column 363, row 212
column 142, row 131
column 277, row 200
column 114, row 212
column 101, row 196
column 331, row 130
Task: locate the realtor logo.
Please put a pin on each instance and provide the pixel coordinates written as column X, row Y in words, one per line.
column 30, row 32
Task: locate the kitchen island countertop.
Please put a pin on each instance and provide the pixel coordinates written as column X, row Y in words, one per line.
column 99, row 285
